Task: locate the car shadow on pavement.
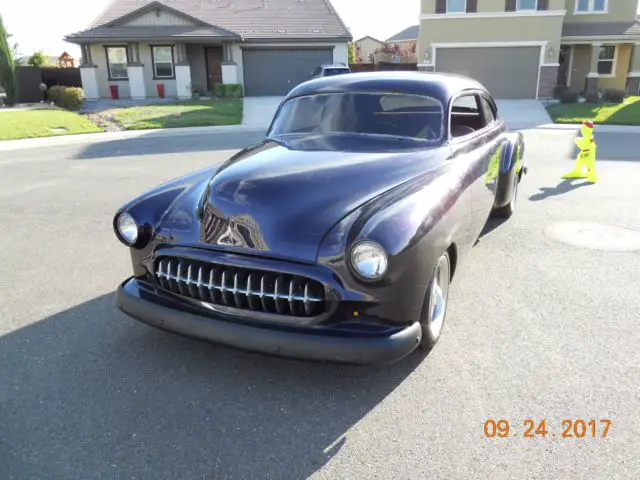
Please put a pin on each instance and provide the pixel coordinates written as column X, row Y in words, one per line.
column 91, row 393
column 153, row 145
column 565, row 186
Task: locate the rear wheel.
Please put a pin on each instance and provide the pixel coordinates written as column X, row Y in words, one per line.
column 434, row 309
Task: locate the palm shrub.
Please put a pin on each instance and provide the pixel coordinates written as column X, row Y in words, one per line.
column 8, row 78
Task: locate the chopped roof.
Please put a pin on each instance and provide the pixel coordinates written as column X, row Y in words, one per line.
column 250, row 19
column 409, row 33
column 601, row 29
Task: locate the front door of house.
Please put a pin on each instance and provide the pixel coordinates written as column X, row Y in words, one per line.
column 213, row 56
column 565, row 65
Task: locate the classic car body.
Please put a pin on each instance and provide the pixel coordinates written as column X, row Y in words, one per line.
column 335, row 238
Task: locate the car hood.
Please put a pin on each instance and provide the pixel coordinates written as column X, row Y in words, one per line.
column 280, row 200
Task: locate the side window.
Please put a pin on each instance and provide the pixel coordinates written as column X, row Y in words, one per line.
column 466, row 116
column 490, row 113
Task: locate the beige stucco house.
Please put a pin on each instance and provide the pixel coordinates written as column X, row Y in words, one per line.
column 368, row 45
column 405, row 37
column 268, row 46
column 524, row 48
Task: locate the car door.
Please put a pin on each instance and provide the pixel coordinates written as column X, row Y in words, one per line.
column 475, row 146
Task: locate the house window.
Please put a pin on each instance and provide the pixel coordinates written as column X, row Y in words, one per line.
column 456, row 6
column 591, row 6
column 607, row 60
column 526, row 5
column 162, row 56
column 117, row 62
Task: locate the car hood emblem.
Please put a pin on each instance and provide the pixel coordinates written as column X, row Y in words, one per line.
column 231, row 236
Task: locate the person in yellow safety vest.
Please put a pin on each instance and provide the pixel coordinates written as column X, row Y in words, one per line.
column 586, row 157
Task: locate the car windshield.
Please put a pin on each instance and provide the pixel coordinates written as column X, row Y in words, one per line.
column 328, row 72
column 391, row 114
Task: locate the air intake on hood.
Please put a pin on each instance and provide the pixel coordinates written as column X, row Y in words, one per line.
column 242, row 288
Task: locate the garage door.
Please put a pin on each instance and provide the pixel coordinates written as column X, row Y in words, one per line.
column 507, row 72
column 276, row 72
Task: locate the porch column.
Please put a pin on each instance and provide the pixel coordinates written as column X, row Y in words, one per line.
column 633, row 77
column 183, row 72
column 135, row 71
column 89, row 74
column 592, row 76
column 229, row 67
column 426, row 63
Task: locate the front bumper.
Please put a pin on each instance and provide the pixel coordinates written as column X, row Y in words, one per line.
column 142, row 304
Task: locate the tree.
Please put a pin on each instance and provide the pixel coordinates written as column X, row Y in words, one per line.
column 353, row 56
column 8, row 78
column 38, row 59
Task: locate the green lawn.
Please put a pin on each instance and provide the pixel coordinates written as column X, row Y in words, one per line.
column 627, row 113
column 43, row 123
column 180, row 114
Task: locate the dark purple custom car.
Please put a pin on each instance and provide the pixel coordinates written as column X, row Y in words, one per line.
column 337, row 236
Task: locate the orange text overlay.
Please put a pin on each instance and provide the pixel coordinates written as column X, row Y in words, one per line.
column 530, row 428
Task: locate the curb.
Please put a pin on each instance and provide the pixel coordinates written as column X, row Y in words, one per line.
column 8, row 145
column 631, row 129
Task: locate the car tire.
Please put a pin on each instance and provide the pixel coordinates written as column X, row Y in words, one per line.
column 434, row 308
column 508, row 210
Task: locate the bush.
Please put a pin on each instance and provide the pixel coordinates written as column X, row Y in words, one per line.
column 614, row 95
column 559, row 90
column 228, row 90
column 72, row 98
column 54, row 94
column 593, row 97
column 569, row 97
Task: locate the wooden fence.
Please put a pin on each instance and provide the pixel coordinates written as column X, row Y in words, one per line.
column 382, row 66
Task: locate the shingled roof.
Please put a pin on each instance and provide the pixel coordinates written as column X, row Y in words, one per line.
column 602, row 29
column 409, row 33
column 254, row 20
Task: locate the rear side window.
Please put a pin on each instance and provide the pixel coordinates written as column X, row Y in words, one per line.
column 466, row 115
column 490, row 112
column 328, row 72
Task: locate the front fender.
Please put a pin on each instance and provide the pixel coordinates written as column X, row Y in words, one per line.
column 414, row 223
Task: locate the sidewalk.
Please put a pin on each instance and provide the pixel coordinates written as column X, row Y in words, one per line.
column 8, row 145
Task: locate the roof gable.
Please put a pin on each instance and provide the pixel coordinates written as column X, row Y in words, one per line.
column 254, row 19
column 155, row 14
column 370, row 38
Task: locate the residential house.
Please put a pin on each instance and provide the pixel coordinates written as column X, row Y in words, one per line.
column 406, row 37
column 524, row 48
column 368, row 45
column 268, row 46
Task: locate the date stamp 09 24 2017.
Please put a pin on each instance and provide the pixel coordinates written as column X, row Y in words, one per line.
column 571, row 428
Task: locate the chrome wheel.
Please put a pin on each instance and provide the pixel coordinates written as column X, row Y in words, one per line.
column 438, row 296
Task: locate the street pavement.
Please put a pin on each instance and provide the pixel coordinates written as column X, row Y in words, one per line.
column 536, row 329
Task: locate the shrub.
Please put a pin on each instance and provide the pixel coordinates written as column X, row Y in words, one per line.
column 614, row 95
column 54, row 94
column 568, row 97
column 228, row 90
column 70, row 98
column 593, row 97
column 559, row 90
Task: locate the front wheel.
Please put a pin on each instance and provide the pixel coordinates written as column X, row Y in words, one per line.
column 435, row 303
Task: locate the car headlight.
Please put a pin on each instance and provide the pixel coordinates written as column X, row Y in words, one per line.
column 369, row 260
column 127, row 228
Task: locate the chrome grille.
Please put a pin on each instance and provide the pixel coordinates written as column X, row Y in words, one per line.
column 243, row 288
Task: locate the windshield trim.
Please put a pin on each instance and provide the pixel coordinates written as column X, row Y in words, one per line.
column 443, row 113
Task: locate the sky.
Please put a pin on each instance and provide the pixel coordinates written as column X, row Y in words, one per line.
column 35, row 25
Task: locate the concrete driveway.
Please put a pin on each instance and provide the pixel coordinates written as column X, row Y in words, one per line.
column 259, row 111
column 537, row 328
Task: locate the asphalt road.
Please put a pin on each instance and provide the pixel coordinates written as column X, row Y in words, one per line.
column 536, row 328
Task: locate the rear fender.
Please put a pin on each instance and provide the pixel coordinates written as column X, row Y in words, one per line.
column 511, row 164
